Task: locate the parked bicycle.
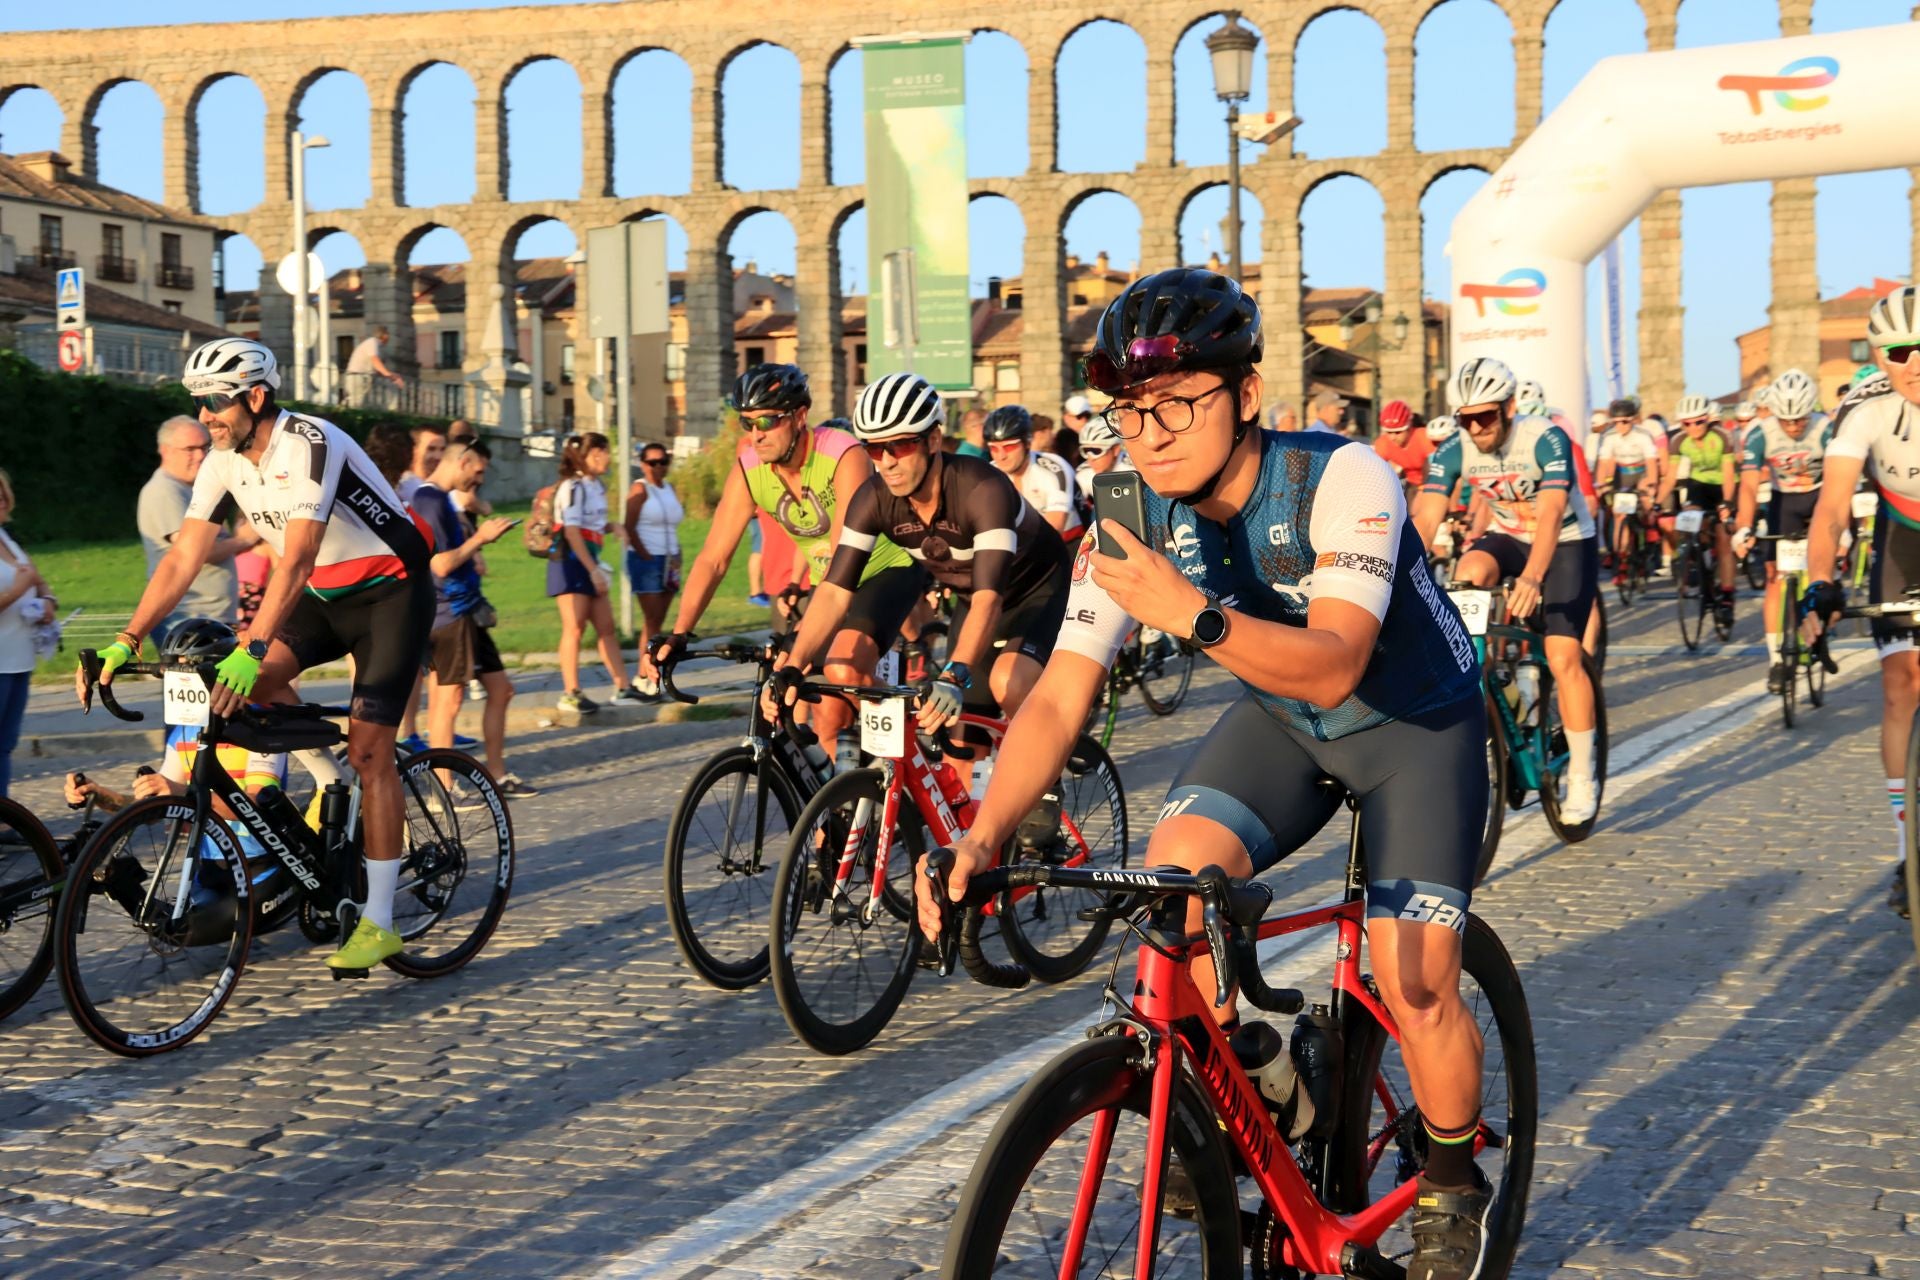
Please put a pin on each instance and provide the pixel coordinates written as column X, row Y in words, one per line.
column 152, row 934
column 1073, row 1179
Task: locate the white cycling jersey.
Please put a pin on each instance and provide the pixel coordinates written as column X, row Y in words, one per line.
column 312, row 470
column 1048, row 486
column 1631, row 450
column 1884, row 433
column 1084, row 473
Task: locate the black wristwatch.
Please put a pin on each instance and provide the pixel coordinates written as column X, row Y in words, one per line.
column 1209, row 627
column 958, row 673
column 257, row 650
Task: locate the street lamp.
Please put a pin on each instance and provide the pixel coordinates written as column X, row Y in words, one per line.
column 1231, row 49
column 301, row 145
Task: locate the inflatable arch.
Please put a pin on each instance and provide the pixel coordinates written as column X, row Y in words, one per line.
column 1645, row 123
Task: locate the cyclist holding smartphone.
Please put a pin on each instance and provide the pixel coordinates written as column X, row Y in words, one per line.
column 1289, row 559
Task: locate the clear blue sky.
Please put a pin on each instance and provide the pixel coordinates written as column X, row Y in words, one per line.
column 1340, row 91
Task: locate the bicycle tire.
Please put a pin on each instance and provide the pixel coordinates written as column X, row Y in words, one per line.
column 1790, row 678
column 1911, row 839
column 1690, row 566
column 1496, row 792
column 800, row 892
column 1092, row 795
column 1104, row 714
column 100, row 894
column 1035, row 1134
column 1569, row 832
column 1816, row 675
column 31, row 875
column 442, row 857
column 1356, row 1149
column 730, row 966
column 1599, row 651
column 1175, row 662
column 1629, row 566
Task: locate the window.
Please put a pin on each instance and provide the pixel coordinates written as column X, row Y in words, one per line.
column 172, row 305
column 169, row 249
column 566, row 366
column 1861, row 351
column 343, row 345
column 449, row 349
column 676, row 361
column 566, row 412
column 756, row 355
column 1006, row 376
column 113, row 240
column 50, row 233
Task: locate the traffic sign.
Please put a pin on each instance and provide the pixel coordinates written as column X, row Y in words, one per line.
column 70, row 298
column 72, row 346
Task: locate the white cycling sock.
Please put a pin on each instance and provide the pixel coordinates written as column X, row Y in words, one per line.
column 1580, row 755
column 383, row 878
column 1897, row 801
column 1773, row 646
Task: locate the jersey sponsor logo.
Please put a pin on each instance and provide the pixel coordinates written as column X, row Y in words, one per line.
column 365, row 501
column 1082, row 560
column 1178, row 806
column 805, row 517
column 1280, row 535
column 1087, row 616
column 283, row 480
column 1447, row 618
column 1426, row 908
column 1374, row 565
column 1186, row 543
column 1373, row 524
column 1296, row 594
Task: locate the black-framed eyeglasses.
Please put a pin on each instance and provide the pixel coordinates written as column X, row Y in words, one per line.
column 1174, row 414
column 218, row 402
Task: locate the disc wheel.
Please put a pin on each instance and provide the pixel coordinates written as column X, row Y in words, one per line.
column 723, row 849
column 1081, row 822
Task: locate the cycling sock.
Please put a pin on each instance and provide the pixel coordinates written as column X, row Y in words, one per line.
column 1580, row 754
column 1773, row 646
column 1450, row 1153
column 383, row 878
column 1897, row 801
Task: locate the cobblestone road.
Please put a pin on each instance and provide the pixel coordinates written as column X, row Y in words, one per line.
column 1723, row 1012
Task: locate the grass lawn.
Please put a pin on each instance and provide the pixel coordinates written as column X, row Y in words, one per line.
column 106, row 578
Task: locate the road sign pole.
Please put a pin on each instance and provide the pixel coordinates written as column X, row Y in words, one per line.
column 299, row 144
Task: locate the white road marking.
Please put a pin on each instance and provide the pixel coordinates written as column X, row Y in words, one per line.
column 717, row 1239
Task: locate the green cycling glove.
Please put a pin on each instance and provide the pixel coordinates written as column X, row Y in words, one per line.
column 237, row 671
column 114, row 657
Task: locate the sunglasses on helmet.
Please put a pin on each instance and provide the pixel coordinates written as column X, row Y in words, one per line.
column 1146, row 359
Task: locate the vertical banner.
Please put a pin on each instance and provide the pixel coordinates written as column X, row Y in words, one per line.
column 917, row 209
column 1616, row 384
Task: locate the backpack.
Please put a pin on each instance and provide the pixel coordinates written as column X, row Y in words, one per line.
column 538, row 534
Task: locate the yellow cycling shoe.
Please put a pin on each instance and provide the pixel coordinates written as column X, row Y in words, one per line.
column 369, row 945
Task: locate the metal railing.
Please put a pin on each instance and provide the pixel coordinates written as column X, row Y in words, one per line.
column 171, row 275
column 409, row 395
column 111, row 266
column 53, row 256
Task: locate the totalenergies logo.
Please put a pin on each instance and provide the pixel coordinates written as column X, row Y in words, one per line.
column 1507, row 292
column 1789, row 88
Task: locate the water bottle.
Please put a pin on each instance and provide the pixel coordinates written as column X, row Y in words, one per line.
column 982, row 772
column 1262, row 1051
column 816, row 756
column 846, row 755
column 333, row 807
column 952, row 788
column 1527, row 678
column 1317, row 1051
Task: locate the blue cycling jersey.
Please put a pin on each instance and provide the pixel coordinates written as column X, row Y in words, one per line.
column 1327, row 518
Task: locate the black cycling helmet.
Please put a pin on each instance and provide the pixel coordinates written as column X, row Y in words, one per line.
column 771, row 388
column 1185, row 318
column 1008, row 422
column 838, row 424
column 197, row 640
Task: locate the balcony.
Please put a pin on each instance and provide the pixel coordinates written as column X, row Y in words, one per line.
column 53, row 256
column 171, row 275
column 113, row 267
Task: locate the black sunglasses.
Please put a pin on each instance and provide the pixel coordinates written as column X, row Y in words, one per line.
column 654, row 462
column 219, row 402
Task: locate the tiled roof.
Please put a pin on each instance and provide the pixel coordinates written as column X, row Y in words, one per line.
column 45, row 176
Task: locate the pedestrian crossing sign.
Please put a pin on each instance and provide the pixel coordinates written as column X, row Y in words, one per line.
column 70, row 298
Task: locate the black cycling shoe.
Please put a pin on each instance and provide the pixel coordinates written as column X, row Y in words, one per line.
column 1450, row 1231
column 1776, row 677
column 1897, row 892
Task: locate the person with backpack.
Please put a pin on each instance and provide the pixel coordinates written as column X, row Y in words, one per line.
column 574, row 515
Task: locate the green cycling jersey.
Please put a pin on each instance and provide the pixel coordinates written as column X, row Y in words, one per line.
column 808, row 515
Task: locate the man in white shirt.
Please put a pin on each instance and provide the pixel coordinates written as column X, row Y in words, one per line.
column 429, row 443
column 161, row 510
column 364, row 364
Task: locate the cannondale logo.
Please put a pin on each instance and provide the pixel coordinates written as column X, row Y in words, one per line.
column 1789, row 86
column 1508, row 292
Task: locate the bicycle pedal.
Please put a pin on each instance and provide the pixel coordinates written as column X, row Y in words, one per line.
column 342, row 974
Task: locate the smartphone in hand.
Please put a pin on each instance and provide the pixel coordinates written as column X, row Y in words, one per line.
column 1116, row 497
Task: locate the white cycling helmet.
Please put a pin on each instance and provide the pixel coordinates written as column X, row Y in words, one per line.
column 899, row 404
column 1442, row 429
column 1793, row 395
column 1098, row 434
column 1532, row 397
column 1746, row 411
column 1481, row 380
column 1895, row 319
column 228, row 366
column 1690, row 407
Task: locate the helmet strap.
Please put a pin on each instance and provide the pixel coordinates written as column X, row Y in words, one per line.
column 241, row 446
column 792, row 445
column 1240, row 429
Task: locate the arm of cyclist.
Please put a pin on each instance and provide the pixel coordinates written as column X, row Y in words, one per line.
column 170, row 580
column 1032, row 753
column 1746, row 509
column 1437, row 489
column 1429, row 509
column 730, row 521
column 1832, row 515
column 1549, row 506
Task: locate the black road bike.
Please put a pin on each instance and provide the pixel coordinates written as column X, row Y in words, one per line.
column 33, row 869
column 152, row 935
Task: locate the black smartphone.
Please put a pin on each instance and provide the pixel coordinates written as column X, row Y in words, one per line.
column 1116, row 497
column 516, row 522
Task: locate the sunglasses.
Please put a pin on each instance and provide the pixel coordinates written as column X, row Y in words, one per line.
column 1005, row 446
column 653, row 462
column 1093, row 453
column 904, row 447
column 1146, row 358
column 1901, row 354
column 219, row 402
column 1484, row 418
column 760, row 425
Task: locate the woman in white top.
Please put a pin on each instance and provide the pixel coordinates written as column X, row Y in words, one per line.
column 24, row 600
column 653, row 551
column 575, row 577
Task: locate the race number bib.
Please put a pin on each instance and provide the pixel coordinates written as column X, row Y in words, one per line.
column 883, row 728
column 1684, row 469
column 1689, row 521
column 1475, row 609
column 184, row 698
column 1766, row 491
column 1866, row 505
column 1790, row 555
column 1625, row 504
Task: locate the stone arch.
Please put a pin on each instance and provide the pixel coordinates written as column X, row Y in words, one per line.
column 1201, row 224
column 1441, row 121
column 1342, row 257
column 1357, row 125
column 236, row 263
column 132, row 131
column 846, row 132
column 444, row 173
column 1117, row 144
column 996, row 106
column 540, row 138
column 1576, row 34
column 1441, row 198
column 662, row 80
column 677, row 241
column 1199, row 125
column 422, row 296
column 847, row 269
column 229, row 98
column 992, row 212
column 335, row 103
column 513, row 246
column 774, row 103
column 772, row 238
column 1091, row 224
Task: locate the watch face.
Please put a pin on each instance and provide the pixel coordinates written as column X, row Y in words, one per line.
column 257, row 649
column 1209, row 626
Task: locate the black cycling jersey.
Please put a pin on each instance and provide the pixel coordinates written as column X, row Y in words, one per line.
column 983, row 535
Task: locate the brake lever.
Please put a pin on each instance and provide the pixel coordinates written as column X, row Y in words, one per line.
column 1213, row 890
column 939, row 866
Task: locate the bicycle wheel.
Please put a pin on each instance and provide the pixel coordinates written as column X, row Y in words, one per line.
column 1790, row 680
column 840, row 958
column 30, row 877
column 722, row 852
column 1554, row 793
column 1756, row 569
column 1022, row 1204
column 1815, row 673
column 1626, row 579
column 1105, row 711
column 456, row 867
column 152, row 930
column 1496, row 792
column 1379, row 1142
column 1691, row 593
column 1166, row 669
column 1086, row 816
column 1911, row 837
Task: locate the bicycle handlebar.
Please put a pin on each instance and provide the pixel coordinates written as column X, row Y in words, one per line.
column 259, row 714
column 731, row 651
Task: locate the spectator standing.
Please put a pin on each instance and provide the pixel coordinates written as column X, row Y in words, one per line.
column 24, row 601
column 471, row 505
column 1285, row 418
column 973, row 441
column 365, row 364
column 1329, row 410
column 461, row 648
column 576, row 579
column 429, row 441
column 653, row 517
column 162, row 509
column 756, row 576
